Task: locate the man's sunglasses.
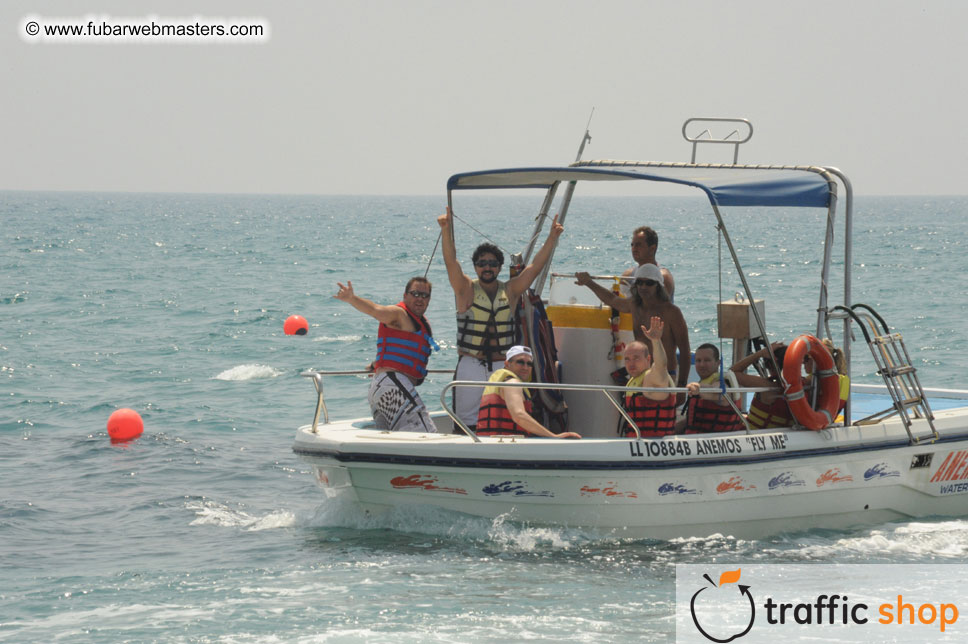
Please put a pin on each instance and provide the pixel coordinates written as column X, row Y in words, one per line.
column 645, row 282
column 419, row 294
column 487, row 263
column 526, row 363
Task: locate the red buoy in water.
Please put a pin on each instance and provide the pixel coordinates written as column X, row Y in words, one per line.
column 295, row 325
column 124, row 425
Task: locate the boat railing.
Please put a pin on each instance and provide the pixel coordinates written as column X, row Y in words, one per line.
column 317, row 377
column 606, row 390
column 617, row 278
column 933, row 392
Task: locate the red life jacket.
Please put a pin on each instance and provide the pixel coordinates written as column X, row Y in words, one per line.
column 405, row 351
column 493, row 418
column 709, row 416
column 762, row 416
column 654, row 417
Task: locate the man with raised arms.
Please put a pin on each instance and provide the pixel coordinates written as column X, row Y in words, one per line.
column 404, row 342
column 649, row 299
column 485, row 310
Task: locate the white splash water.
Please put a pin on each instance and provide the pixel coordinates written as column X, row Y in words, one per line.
column 338, row 338
column 502, row 531
column 943, row 540
column 211, row 513
column 249, row 372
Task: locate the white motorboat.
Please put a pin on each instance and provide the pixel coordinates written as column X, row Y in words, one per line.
column 906, row 458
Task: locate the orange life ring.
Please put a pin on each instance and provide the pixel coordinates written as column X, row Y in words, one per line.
column 824, row 373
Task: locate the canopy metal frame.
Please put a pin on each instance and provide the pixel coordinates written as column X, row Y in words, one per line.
column 793, row 186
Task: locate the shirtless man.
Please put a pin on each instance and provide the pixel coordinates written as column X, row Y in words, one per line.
column 485, row 310
column 649, row 299
column 645, row 242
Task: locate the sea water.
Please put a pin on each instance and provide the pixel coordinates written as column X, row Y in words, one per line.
column 209, row 529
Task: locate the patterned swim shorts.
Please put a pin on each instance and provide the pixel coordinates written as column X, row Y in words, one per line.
column 397, row 406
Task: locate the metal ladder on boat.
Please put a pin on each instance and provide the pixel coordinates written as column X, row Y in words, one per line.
column 894, row 366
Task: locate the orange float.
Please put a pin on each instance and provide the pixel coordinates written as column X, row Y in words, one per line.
column 295, row 325
column 124, row 425
column 824, row 373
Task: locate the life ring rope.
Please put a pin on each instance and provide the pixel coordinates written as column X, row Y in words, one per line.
column 723, row 380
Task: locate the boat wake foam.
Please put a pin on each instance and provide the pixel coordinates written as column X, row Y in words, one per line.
column 249, row 372
column 501, row 531
column 218, row 514
column 911, row 542
column 917, row 539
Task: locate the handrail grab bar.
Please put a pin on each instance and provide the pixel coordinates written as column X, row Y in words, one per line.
column 698, row 138
column 621, row 410
column 615, row 278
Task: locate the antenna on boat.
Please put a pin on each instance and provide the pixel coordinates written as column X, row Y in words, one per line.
column 562, row 209
column 543, row 213
column 587, row 138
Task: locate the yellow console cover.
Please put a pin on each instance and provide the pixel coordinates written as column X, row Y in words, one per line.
column 585, row 317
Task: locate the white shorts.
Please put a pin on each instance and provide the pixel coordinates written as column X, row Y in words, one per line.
column 467, row 400
column 397, row 406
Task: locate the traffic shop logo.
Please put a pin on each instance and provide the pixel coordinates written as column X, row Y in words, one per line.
column 710, row 601
column 725, row 611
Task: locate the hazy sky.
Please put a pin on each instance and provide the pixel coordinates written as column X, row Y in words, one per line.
column 383, row 97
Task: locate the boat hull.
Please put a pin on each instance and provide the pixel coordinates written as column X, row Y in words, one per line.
column 744, row 485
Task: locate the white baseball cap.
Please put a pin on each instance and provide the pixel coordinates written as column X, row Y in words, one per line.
column 649, row 272
column 518, row 350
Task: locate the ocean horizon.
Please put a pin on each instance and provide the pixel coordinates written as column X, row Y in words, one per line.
column 208, row 528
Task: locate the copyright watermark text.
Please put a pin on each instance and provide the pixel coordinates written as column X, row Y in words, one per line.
column 93, row 29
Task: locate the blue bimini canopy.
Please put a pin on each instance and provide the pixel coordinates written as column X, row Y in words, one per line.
column 725, row 185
